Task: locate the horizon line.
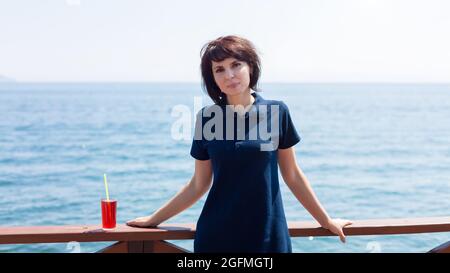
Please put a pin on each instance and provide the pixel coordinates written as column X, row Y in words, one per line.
column 199, row 83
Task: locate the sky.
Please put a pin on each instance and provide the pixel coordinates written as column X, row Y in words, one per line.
column 160, row 41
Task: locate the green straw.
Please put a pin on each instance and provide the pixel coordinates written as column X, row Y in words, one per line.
column 106, row 187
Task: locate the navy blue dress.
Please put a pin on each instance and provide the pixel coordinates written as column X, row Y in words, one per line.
column 244, row 211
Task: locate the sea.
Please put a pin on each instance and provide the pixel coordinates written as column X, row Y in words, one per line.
column 369, row 151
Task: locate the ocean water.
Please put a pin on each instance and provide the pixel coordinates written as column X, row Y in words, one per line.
column 369, row 151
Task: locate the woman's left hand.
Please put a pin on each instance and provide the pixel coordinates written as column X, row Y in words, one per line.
column 336, row 226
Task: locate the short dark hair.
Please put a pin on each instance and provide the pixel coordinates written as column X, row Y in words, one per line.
column 227, row 47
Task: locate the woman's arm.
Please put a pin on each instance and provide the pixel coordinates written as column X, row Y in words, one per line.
column 185, row 198
column 301, row 188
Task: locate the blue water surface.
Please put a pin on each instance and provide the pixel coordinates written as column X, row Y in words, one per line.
column 369, row 151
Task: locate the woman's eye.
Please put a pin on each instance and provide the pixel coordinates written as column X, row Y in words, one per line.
column 234, row 65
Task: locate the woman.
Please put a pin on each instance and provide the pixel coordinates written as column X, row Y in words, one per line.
column 243, row 211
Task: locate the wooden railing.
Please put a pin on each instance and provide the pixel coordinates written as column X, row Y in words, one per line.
column 152, row 240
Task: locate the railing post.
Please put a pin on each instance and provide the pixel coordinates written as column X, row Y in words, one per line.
column 135, row 246
column 444, row 248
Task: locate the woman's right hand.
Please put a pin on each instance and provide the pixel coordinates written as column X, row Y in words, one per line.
column 145, row 221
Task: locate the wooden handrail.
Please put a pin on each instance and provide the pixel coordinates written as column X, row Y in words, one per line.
column 123, row 233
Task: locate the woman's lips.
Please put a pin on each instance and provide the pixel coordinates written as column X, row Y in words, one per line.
column 234, row 85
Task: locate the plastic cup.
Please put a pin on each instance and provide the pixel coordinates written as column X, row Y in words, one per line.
column 109, row 210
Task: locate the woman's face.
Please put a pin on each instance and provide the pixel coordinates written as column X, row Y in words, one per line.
column 232, row 76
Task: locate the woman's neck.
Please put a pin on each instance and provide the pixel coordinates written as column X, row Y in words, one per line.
column 244, row 99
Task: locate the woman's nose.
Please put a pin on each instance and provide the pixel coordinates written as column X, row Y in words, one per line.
column 229, row 74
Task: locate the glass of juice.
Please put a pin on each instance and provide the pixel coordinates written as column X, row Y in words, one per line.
column 109, row 209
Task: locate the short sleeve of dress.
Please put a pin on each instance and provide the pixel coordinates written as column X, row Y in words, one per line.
column 198, row 149
column 288, row 134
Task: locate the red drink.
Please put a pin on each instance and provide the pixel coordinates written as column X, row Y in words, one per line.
column 109, row 214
